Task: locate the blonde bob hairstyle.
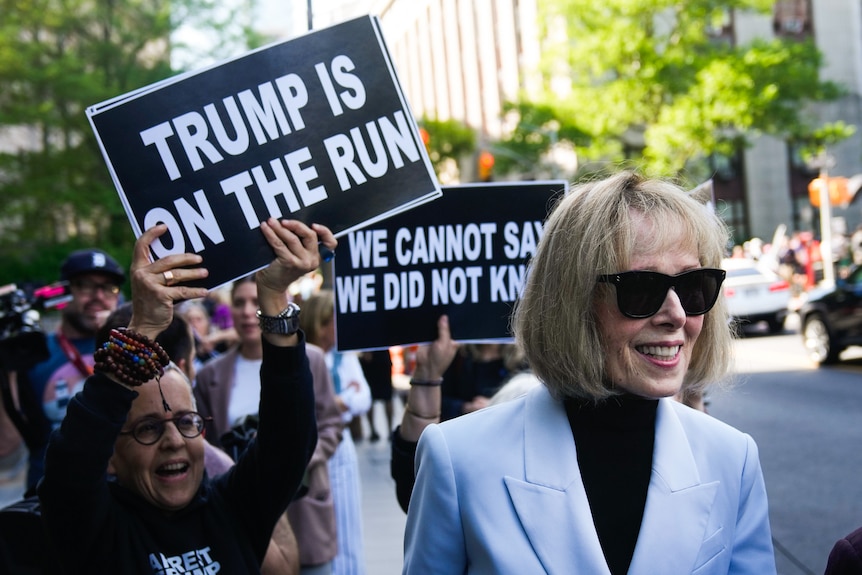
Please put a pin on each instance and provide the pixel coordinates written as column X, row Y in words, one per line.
column 317, row 311
column 591, row 232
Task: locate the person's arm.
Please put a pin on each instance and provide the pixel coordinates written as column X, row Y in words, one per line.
column 282, row 555
column 423, row 399
column 402, row 469
column 421, row 409
column 269, row 473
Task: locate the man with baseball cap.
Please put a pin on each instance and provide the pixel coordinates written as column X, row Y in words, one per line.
column 94, row 279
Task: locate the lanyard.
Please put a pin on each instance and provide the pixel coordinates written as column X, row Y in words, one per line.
column 73, row 355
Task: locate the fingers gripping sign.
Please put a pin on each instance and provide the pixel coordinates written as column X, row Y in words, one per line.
column 296, row 251
column 156, row 285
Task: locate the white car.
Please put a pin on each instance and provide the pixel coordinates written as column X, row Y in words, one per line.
column 755, row 293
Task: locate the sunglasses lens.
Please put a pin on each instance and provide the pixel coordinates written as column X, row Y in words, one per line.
column 640, row 294
column 698, row 290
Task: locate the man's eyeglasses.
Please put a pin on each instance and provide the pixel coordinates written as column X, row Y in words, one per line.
column 641, row 294
column 89, row 287
column 149, row 430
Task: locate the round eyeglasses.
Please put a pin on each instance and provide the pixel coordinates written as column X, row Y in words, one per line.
column 640, row 294
column 149, row 430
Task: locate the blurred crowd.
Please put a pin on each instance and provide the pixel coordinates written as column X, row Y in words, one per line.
column 798, row 259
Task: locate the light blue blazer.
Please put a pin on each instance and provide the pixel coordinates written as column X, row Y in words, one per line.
column 499, row 492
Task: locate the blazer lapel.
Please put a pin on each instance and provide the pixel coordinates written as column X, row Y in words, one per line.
column 678, row 505
column 552, row 503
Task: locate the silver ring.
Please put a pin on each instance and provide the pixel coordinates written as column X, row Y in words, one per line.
column 169, row 277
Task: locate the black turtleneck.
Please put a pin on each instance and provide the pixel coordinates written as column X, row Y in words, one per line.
column 614, row 441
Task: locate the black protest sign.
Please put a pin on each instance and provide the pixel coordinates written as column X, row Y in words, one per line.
column 463, row 255
column 315, row 128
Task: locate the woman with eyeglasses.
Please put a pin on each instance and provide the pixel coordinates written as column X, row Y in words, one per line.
column 599, row 470
column 155, row 511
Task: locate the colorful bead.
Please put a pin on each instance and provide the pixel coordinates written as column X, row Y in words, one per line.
column 131, row 357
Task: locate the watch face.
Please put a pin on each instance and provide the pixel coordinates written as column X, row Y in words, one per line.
column 291, row 311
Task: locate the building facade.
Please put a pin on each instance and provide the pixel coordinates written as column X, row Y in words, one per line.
column 462, row 59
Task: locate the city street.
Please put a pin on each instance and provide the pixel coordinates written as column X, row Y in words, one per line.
column 808, row 428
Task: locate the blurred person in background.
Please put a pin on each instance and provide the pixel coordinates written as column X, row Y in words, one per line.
column 228, row 390
column 210, row 341
column 94, row 279
column 475, row 374
column 354, row 399
column 377, row 367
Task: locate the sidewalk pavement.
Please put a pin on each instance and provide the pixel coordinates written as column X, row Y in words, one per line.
column 382, row 518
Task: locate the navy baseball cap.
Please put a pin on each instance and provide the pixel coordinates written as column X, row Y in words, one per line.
column 91, row 261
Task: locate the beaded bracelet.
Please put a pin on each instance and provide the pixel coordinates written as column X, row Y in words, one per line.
column 427, row 382
column 409, row 410
column 132, row 358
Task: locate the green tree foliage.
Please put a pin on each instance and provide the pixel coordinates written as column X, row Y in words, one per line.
column 654, row 81
column 814, row 146
column 447, row 142
column 56, row 59
column 540, row 126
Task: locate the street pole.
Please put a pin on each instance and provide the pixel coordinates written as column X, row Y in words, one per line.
column 826, row 229
column 310, row 17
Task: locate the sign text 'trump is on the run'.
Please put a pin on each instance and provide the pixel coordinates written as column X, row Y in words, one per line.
column 316, row 128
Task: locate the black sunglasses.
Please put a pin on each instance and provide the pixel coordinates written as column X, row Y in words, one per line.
column 641, row 294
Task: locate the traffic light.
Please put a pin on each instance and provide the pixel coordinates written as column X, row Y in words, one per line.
column 486, row 165
column 839, row 193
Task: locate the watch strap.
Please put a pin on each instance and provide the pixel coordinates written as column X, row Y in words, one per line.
column 285, row 323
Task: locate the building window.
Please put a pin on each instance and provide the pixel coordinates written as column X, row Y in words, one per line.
column 792, row 19
column 724, row 167
column 733, row 214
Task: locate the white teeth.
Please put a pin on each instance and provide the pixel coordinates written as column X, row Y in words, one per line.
column 174, row 467
column 659, row 351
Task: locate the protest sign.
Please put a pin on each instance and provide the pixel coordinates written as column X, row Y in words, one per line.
column 316, row 128
column 464, row 255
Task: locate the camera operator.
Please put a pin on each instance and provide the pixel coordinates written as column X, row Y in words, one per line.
column 94, row 279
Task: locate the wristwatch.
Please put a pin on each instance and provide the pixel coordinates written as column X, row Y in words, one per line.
column 285, row 323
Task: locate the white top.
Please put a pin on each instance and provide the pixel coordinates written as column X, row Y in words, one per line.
column 245, row 396
column 350, row 383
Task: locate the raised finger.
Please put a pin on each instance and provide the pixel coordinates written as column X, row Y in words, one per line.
column 443, row 333
column 173, row 277
column 306, row 236
column 325, row 236
column 278, row 238
column 141, row 254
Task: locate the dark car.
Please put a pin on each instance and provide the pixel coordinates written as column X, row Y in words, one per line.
column 831, row 318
